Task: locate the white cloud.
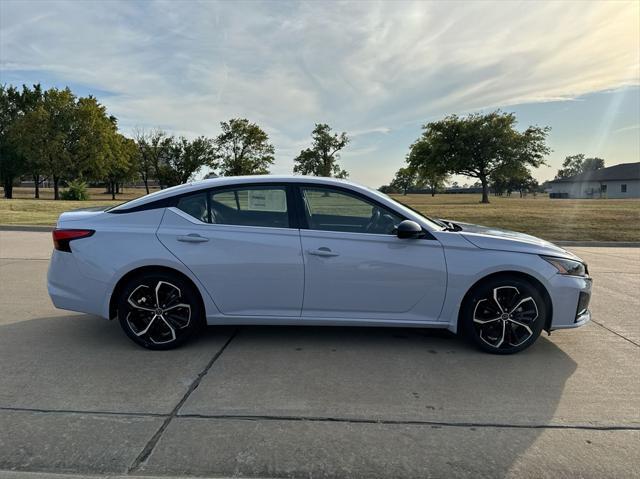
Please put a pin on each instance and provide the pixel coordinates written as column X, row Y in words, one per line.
column 627, row 128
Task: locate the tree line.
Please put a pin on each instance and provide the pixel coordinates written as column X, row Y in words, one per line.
column 53, row 135
column 56, row 136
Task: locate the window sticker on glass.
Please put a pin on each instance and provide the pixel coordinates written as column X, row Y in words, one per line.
column 267, row 200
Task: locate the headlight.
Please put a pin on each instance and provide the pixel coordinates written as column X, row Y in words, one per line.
column 567, row 266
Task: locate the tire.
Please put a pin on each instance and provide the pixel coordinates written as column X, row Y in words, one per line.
column 167, row 325
column 503, row 315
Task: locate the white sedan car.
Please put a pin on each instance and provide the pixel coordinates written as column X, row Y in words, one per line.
column 295, row 250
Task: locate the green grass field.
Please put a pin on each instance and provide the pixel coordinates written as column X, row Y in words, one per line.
column 569, row 220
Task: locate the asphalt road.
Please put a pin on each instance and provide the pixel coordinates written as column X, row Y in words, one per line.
column 78, row 398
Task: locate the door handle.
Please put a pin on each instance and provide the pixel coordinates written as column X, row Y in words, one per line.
column 192, row 238
column 324, row 252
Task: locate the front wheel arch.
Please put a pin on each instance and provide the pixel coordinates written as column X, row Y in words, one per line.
column 113, row 301
column 511, row 274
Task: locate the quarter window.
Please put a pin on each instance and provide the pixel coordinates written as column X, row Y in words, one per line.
column 333, row 210
column 195, row 205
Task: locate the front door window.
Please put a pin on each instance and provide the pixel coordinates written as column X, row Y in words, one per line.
column 329, row 209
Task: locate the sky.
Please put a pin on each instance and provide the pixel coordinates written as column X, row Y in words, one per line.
column 377, row 70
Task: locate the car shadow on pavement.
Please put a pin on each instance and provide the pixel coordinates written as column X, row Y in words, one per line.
column 383, row 395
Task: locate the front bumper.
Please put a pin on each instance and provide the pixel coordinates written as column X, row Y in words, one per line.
column 570, row 297
column 581, row 320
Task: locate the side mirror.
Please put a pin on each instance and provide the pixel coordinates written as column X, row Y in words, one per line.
column 409, row 229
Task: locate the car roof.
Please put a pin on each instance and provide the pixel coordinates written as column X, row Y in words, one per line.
column 233, row 180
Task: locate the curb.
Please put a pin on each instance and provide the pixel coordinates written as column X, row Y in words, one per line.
column 17, row 474
column 46, row 229
column 599, row 244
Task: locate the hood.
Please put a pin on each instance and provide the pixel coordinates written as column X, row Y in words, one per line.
column 505, row 240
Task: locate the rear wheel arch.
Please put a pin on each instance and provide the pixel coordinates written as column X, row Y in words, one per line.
column 113, row 301
column 517, row 275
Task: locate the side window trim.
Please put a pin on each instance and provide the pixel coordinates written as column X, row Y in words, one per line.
column 292, row 207
column 301, row 217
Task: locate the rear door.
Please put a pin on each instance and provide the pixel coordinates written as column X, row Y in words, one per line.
column 356, row 267
column 243, row 245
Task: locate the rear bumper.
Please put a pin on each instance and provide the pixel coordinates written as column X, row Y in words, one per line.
column 570, row 296
column 71, row 290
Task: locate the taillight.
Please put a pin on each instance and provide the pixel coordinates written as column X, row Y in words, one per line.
column 61, row 238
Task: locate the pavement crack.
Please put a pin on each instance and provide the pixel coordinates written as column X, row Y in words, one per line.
column 615, row 332
column 80, row 411
column 408, row 422
column 151, row 444
column 333, row 419
column 26, row 259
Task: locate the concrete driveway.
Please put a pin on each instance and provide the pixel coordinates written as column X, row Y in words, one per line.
column 78, row 398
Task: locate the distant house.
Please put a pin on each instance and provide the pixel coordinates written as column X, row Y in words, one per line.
column 619, row 181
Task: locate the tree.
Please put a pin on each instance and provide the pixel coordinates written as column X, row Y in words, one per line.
column 14, row 105
column 184, row 159
column 91, row 141
column 46, row 135
column 513, row 178
column 64, row 137
column 119, row 161
column 10, row 164
column 322, row 158
column 153, row 147
column 429, row 170
column 405, row 180
column 30, row 99
column 578, row 164
column 243, row 148
column 480, row 145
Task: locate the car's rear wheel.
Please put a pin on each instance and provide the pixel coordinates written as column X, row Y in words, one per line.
column 159, row 310
column 504, row 315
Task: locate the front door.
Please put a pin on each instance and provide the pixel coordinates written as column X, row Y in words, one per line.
column 357, row 268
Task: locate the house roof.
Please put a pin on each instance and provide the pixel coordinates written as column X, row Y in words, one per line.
column 625, row 171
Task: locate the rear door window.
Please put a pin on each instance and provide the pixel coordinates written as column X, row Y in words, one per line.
column 250, row 206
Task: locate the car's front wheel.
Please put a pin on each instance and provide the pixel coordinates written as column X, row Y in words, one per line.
column 504, row 315
column 159, row 310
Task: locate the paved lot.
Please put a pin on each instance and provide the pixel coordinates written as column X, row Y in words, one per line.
column 78, row 398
